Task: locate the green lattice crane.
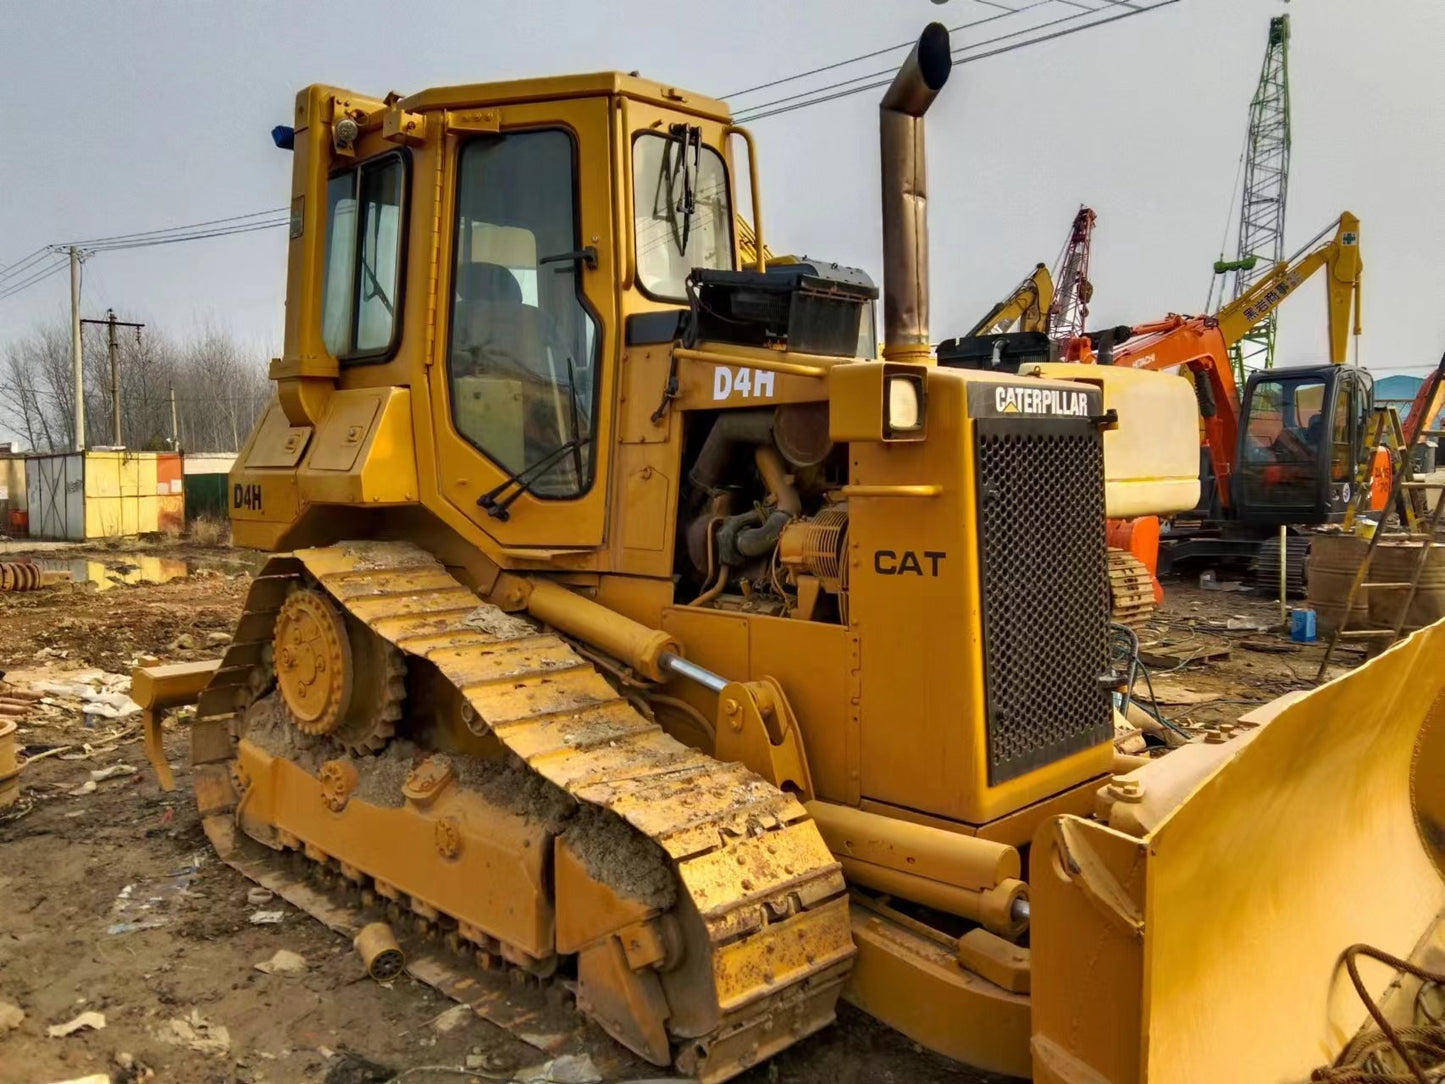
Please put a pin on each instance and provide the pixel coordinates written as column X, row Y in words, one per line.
column 1262, row 204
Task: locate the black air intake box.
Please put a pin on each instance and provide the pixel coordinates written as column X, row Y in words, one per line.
column 811, row 308
column 1001, row 353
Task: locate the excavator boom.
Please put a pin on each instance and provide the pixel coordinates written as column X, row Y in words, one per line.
column 1199, row 346
column 1027, row 307
column 1340, row 257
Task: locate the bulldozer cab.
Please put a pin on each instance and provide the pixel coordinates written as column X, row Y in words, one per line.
column 480, row 255
column 1301, row 439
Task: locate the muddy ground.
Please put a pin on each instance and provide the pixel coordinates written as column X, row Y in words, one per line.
column 170, row 961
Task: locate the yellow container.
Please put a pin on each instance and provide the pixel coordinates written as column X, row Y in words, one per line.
column 1151, row 460
column 104, row 494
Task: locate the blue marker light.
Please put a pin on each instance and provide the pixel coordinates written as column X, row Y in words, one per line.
column 284, row 136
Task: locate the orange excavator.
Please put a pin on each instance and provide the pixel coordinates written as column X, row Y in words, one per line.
column 1287, row 450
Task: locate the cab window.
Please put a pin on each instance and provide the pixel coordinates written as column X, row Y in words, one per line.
column 1341, row 462
column 364, row 224
column 683, row 217
column 1286, row 421
column 524, row 345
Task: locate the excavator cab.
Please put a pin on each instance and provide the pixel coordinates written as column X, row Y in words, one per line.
column 1301, row 439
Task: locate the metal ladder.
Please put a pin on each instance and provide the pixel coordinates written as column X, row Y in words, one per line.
column 1419, row 529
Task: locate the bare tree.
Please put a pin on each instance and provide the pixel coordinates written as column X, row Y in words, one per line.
column 220, row 386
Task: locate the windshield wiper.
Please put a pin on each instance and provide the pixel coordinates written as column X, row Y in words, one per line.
column 684, row 137
column 376, row 288
column 524, row 479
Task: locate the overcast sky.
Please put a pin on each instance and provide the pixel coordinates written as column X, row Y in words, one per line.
column 133, row 116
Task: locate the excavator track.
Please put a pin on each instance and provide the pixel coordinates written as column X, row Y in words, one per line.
column 1131, row 590
column 760, row 902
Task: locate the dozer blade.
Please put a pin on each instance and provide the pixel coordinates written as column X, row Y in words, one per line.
column 1205, row 944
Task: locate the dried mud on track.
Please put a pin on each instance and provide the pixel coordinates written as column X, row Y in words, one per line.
column 177, row 982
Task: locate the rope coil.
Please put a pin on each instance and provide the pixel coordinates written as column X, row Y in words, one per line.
column 1386, row 1054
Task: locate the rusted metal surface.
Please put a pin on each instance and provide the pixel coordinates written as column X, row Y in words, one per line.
column 20, row 576
column 9, row 764
column 905, row 194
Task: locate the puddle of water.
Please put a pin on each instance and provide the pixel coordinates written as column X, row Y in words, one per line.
column 135, row 568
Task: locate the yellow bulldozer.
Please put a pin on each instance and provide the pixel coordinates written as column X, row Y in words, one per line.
column 625, row 622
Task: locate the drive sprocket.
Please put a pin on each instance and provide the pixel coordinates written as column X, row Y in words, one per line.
column 312, row 656
column 378, row 688
column 338, row 678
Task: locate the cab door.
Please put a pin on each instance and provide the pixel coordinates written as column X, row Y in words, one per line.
column 1350, row 455
column 522, row 384
column 1301, row 431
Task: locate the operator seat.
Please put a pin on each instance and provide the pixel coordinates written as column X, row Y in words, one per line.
column 495, row 333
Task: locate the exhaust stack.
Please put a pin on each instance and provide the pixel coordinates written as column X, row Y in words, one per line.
column 905, row 195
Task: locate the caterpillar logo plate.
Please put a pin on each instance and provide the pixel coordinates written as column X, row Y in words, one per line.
column 1033, row 401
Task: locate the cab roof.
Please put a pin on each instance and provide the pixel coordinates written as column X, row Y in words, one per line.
column 552, row 87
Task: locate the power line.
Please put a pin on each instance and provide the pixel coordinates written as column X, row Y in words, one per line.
column 883, row 78
column 887, row 74
column 146, row 239
column 886, row 49
column 247, row 223
column 39, row 276
column 19, row 266
column 94, row 241
column 201, row 235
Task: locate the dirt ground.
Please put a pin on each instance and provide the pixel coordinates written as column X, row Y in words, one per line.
column 111, row 903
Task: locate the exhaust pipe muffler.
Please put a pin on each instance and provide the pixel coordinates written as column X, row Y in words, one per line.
column 905, row 195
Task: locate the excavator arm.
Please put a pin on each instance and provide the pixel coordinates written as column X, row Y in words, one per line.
column 1196, row 348
column 1028, row 306
column 1429, row 402
column 1340, row 256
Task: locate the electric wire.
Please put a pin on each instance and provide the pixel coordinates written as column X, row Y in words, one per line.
column 40, row 276
column 818, row 95
column 19, row 266
column 1124, row 647
column 94, row 241
column 39, row 272
column 177, row 239
column 887, row 49
column 230, row 225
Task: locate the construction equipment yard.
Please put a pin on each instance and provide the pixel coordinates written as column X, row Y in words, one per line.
column 123, row 910
column 600, row 643
column 133, row 917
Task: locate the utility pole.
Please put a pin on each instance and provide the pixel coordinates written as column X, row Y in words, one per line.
column 175, row 423
column 113, row 348
column 75, row 349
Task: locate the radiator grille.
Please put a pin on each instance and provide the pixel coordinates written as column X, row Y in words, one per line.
column 1045, row 592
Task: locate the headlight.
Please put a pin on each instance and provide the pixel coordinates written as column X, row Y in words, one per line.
column 904, row 404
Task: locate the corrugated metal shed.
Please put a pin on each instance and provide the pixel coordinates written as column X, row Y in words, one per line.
column 205, row 483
